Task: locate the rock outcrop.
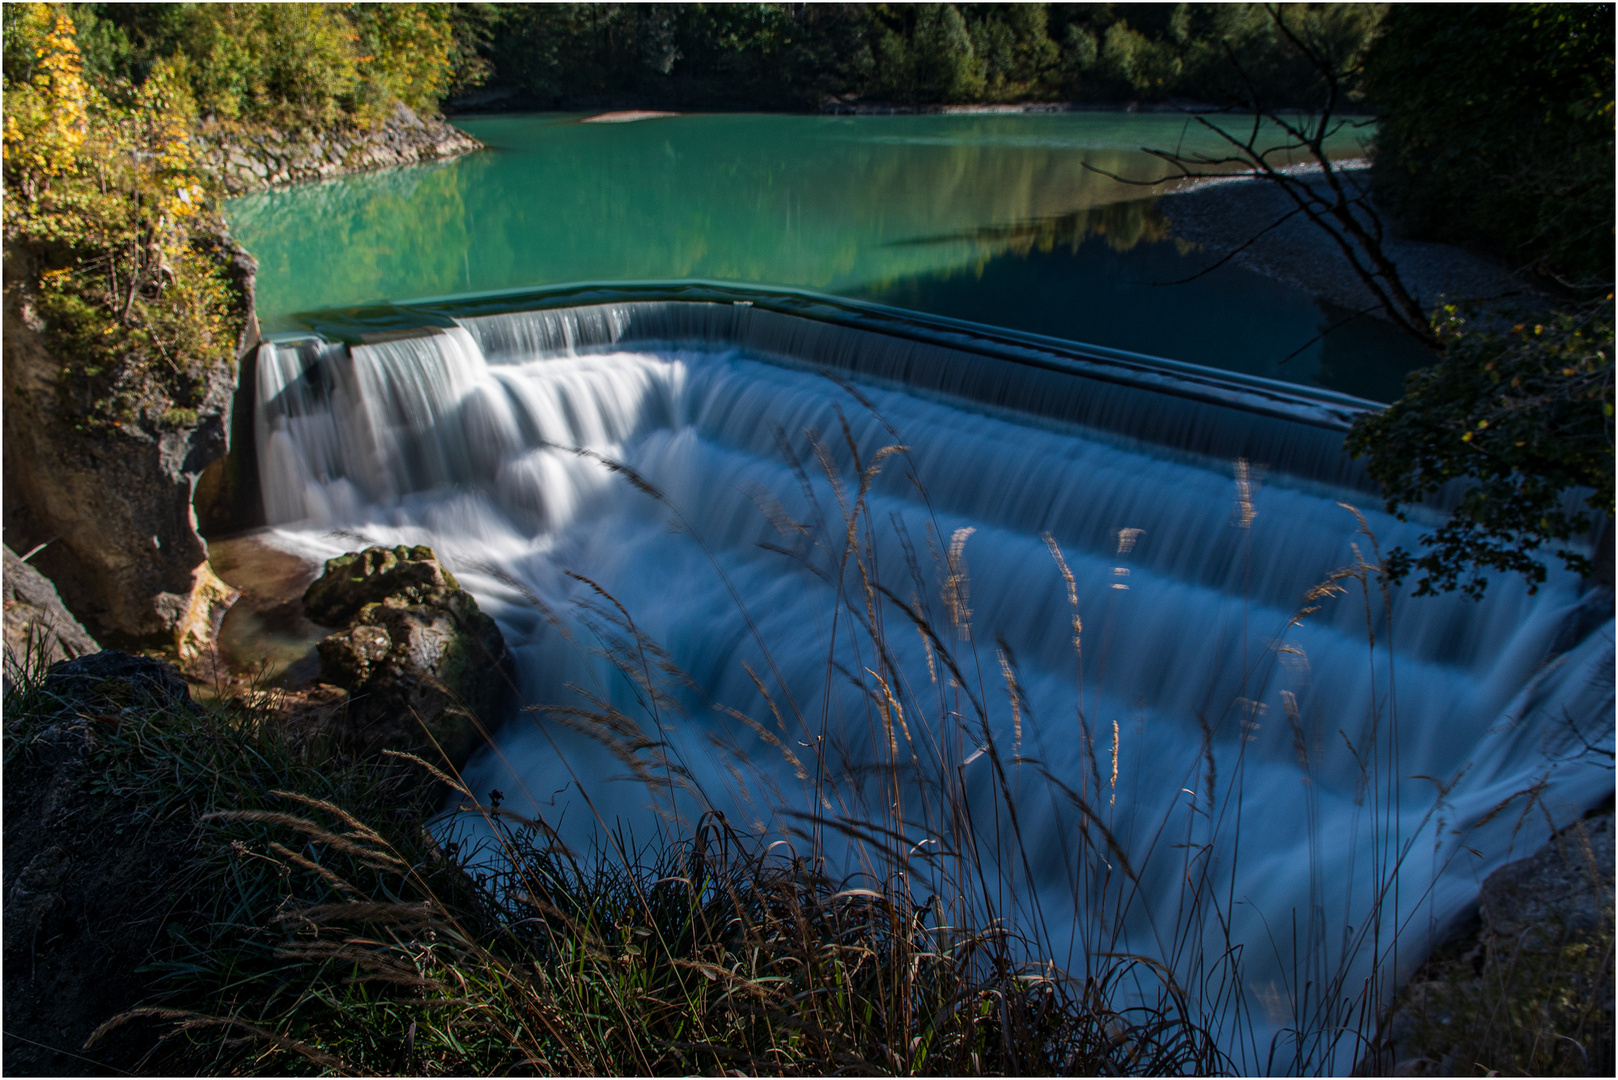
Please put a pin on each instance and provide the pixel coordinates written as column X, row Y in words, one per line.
column 112, row 506
column 254, row 159
column 1529, row 984
column 426, row 671
column 38, row 629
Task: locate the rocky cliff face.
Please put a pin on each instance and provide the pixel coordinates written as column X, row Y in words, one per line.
column 113, row 506
column 253, row 160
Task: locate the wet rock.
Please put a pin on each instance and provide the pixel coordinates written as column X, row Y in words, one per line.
column 426, row 671
column 365, row 577
column 38, row 629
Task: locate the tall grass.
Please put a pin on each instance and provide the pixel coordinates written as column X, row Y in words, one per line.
column 896, row 925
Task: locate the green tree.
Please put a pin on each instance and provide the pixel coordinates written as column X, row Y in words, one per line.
column 108, row 218
column 291, row 65
column 1498, row 132
column 1523, row 419
column 947, row 67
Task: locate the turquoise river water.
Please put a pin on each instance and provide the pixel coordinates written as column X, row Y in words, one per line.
column 1004, row 220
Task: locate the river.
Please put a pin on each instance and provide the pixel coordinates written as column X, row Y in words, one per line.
column 678, row 522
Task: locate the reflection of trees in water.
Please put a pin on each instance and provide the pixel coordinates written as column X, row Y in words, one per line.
column 351, row 240
column 824, row 203
column 1121, row 225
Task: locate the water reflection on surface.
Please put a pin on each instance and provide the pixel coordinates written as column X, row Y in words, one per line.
column 1008, row 220
column 1121, row 224
column 1115, row 276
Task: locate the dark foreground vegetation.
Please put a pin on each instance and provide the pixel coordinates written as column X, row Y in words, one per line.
column 282, row 908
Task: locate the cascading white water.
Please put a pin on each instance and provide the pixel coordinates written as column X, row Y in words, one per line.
column 1330, row 754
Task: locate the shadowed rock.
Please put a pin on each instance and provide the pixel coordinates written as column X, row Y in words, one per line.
column 39, row 629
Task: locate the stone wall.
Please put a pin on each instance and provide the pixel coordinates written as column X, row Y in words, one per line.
column 255, row 159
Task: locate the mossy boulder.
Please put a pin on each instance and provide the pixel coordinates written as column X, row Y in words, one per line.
column 367, row 577
column 426, row 671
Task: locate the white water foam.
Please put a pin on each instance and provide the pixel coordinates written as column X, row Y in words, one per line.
column 1185, row 597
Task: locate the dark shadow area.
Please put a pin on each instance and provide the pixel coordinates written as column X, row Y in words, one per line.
column 1098, row 277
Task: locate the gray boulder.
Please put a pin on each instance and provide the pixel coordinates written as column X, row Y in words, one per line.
column 38, row 629
column 426, row 671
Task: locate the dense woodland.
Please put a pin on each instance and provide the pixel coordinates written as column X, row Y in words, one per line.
column 1495, row 131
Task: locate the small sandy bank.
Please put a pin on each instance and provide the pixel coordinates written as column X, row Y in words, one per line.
column 625, row 117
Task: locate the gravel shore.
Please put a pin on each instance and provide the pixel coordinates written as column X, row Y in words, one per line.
column 1222, row 215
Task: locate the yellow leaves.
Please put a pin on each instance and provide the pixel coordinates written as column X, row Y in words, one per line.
column 46, row 122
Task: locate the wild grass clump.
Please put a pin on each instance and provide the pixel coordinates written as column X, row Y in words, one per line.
column 314, row 923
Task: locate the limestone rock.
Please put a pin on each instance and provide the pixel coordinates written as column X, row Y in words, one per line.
column 426, row 670
column 38, row 628
column 114, row 505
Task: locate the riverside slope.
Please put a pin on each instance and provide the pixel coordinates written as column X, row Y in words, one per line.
column 115, row 510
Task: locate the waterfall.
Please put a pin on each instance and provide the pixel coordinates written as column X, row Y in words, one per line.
column 692, row 461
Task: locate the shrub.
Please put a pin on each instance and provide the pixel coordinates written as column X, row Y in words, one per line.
column 108, row 214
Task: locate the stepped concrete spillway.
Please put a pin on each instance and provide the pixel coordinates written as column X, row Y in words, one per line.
column 692, row 456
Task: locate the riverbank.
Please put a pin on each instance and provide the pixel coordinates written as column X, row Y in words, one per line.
column 259, row 158
column 1245, row 220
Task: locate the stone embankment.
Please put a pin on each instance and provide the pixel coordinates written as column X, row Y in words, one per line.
column 249, row 160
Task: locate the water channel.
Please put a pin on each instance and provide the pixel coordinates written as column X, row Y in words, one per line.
column 1115, row 553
